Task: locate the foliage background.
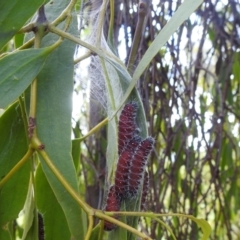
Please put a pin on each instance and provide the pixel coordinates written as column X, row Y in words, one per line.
column 191, row 98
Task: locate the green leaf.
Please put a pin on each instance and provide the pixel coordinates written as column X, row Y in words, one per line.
column 14, row 15
column 54, row 128
column 120, row 233
column 52, row 213
column 76, row 151
column 13, row 146
column 204, row 225
column 18, row 40
column 54, row 109
column 18, row 70
column 29, row 208
column 32, row 233
column 4, row 233
column 96, row 232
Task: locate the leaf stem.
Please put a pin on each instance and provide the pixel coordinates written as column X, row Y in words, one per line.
column 89, row 210
column 24, row 116
column 90, row 227
column 102, row 215
column 67, row 11
column 62, row 17
column 111, row 24
column 16, row 167
column 166, row 226
column 28, row 28
column 40, row 29
column 93, row 130
column 33, row 99
column 100, row 23
column 36, row 143
column 100, row 52
column 81, row 58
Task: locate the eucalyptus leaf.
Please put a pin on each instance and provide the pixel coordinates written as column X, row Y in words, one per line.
column 54, row 109
column 13, row 15
column 13, row 146
column 96, row 232
column 29, row 208
column 32, row 233
column 18, row 70
column 4, row 233
column 76, row 151
column 52, row 213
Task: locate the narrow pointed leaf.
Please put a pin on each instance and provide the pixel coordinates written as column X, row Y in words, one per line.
column 204, row 225
column 54, row 128
column 29, row 208
column 182, row 13
column 17, row 71
column 13, row 146
column 54, row 108
column 52, row 213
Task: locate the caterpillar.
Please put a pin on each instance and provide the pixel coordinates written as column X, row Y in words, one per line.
column 113, row 204
column 127, row 125
column 138, row 164
column 122, row 171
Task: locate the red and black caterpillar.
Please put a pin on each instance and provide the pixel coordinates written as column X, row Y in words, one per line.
column 113, row 204
column 127, row 125
column 123, row 167
column 131, row 168
column 138, row 165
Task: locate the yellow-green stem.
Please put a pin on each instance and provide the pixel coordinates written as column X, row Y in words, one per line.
column 93, row 130
column 33, row 99
column 27, row 28
column 103, row 216
column 98, row 51
column 90, row 227
column 58, row 20
column 26, row 45
column 85, row 56
column 101, row 22
column 67, row 11
column 24, row 116
column 89, row 210
column 166, row 226
column 35, row 144
column 111, row 23
column 16, row 167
